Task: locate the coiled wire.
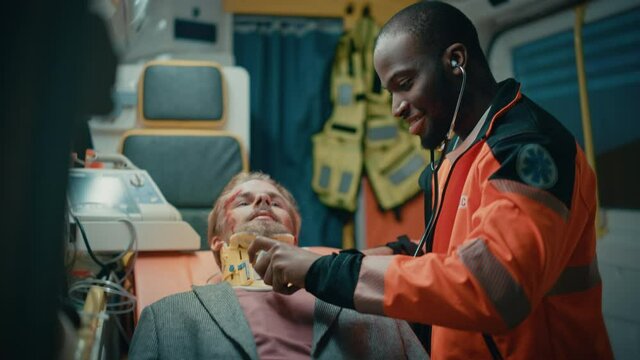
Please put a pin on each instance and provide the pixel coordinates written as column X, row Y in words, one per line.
column 119, row 300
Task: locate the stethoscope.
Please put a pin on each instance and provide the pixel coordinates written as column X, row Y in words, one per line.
column 495, row 352
column 435, row 168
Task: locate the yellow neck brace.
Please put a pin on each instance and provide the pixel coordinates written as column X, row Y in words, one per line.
column 234, row 259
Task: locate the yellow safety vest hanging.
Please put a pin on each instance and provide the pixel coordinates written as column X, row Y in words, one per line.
column 362, row 131
column 336, row 150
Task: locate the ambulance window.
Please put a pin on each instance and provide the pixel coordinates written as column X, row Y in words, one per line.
column 546, row 68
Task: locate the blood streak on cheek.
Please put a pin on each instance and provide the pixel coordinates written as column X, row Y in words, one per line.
column 231, row 223
column 228, row 219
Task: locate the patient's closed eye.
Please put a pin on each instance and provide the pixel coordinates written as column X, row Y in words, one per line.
column 405, row 84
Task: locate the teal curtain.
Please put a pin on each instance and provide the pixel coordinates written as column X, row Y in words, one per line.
column 289, row 61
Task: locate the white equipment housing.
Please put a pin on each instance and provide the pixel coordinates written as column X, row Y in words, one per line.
column 114, row 205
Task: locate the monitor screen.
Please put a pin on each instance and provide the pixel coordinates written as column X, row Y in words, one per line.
column 100, row 195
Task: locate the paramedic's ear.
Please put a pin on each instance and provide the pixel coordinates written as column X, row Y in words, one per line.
column 456, row 57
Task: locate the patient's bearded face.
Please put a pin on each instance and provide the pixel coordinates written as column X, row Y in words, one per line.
column 256, row 206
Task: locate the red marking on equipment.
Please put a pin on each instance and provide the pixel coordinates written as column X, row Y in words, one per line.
column 81, row 273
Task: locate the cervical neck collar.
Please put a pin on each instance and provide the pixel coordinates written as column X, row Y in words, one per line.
column 234, row 259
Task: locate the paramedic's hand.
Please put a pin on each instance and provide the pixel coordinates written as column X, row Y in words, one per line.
column 280, row 265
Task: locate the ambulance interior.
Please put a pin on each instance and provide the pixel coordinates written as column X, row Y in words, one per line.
column 126, row 118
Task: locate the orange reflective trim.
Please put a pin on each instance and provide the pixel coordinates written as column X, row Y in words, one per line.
column 501, row 288
column 577, row 279
column 369, row 295
column 503, row 110
column 534, row 194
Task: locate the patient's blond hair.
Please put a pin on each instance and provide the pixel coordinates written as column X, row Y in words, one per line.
column 216, row 220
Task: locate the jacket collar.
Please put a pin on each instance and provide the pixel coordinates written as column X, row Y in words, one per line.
column 221, row 303
column 507, row 95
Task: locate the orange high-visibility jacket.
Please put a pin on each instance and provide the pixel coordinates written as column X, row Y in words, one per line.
column 513, row 248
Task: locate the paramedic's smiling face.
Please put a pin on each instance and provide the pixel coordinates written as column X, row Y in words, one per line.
column 415, row 78
column 258, row 207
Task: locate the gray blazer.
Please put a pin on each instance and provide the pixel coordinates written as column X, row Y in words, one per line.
column 208, row 323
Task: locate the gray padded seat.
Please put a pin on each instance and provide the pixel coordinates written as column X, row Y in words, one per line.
column 182, row 93
column 190, row 166
column 190, row 170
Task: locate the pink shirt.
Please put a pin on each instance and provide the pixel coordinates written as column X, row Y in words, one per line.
column 282, row 325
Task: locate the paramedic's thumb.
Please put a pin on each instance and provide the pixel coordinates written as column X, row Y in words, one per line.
column 261, row 243
column 287, row 265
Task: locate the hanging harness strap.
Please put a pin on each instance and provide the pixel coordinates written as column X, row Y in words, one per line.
column 362, row 132
column 394, row 158
column 393, row 161
column 337, row 154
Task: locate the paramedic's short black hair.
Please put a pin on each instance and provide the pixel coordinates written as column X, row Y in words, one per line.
column 436, row 25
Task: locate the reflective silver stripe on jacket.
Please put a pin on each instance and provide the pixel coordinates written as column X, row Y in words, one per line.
column 576, row 279
column 534, row 194
column 501, row 288
column 369, row 294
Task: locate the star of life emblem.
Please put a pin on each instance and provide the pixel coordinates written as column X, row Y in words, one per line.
column 536, row 167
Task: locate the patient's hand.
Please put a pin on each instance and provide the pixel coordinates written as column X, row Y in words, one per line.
column 280, row 265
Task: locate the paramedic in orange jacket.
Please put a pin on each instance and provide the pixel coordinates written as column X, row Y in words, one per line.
column 510, row 269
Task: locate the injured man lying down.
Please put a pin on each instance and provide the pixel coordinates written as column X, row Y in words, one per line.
column 240, row 317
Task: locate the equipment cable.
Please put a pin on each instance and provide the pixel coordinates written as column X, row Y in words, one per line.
column 119, row 300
